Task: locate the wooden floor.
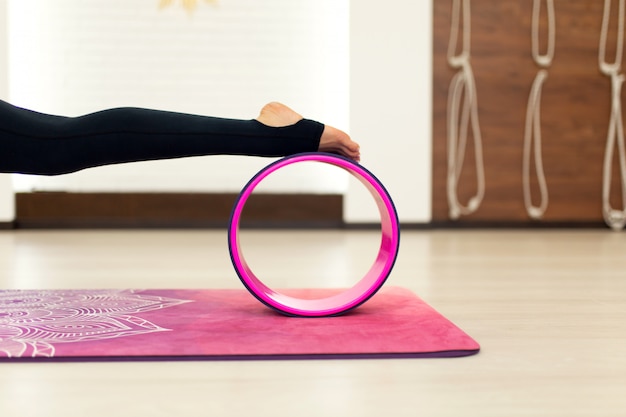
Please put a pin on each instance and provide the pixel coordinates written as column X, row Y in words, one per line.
column 547, row 307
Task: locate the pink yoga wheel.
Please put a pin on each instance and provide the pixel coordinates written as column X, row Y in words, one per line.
column 347, row 299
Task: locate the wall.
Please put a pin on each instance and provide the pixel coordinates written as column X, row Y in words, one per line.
column 574, row 113
column 7, row 205
column 366, row 69
column 390, row 104
column 225, row 60
column 4, row 80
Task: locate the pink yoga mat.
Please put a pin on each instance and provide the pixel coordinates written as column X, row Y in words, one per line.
column 216, row 324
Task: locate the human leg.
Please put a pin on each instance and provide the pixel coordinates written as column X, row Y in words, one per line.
column 36, row 143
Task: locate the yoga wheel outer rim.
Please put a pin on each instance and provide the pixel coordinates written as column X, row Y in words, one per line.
column 346, row 300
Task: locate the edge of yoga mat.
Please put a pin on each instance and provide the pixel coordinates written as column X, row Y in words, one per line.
column 184, row 325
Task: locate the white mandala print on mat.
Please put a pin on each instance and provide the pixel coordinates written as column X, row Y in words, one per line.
column 32, row 322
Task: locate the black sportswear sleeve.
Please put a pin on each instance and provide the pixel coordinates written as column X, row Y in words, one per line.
column 44, row 144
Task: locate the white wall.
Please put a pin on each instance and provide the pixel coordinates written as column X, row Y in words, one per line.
column 390, row 104
column 366, row 69
column 4, row 81
column 7, row 200
column 72, row 57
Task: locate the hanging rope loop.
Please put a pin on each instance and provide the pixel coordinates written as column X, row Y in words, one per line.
column 460, row 13
column 546, row 59
column 609, row 68
column 462, row 114
column 616, row 219
column 532, row 128
column 532, row 136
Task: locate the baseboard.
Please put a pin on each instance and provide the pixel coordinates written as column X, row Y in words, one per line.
column 173, row 210
column 7, row 225
column 64, row 210
column 528, row 224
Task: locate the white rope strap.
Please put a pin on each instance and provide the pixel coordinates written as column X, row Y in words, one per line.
column 462, row 114
column 616, row 219
column 532, row 129
column 546, row 59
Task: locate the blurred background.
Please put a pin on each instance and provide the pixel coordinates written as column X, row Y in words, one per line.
column 363, row 67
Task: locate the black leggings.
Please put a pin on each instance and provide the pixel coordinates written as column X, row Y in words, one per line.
column 43, row 144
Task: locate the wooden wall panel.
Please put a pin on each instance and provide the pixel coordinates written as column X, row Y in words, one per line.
column 575, row 111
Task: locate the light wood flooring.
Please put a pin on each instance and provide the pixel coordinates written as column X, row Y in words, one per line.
column 547, row 306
